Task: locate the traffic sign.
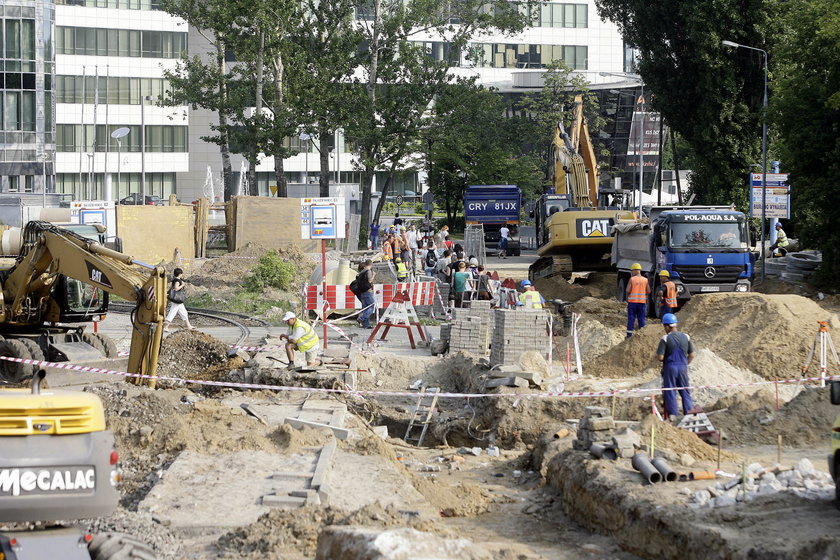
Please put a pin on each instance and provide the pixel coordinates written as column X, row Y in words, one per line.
column 399, row 200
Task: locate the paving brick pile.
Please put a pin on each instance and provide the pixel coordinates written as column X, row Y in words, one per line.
column 517, row 331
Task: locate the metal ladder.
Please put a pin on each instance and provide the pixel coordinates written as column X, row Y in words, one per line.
column 422, row 414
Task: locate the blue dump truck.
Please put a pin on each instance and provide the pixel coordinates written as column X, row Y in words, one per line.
column 494, row 206
column 704, row 249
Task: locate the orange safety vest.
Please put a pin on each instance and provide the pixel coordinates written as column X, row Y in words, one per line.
column 388, row 250
column 670, row 293
column 638, row 289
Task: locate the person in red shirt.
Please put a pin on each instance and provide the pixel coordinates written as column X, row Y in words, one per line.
column 637, row 296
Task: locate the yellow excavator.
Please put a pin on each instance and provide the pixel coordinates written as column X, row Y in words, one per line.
column 61, row 279
column 573, row 231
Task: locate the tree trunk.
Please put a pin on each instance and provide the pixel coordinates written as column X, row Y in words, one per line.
column 280, row 177
column 253, row 189
column 224, row 147
column 364, row 222
column 385, row 189
column 324, row 156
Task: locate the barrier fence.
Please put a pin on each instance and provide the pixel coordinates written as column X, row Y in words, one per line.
column 339, row 297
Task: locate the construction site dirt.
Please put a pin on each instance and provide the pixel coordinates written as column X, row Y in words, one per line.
column 313, row 464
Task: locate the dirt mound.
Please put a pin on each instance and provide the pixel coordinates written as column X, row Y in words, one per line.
column 610, row 312
column 599, row 285
column 778, row 330
column 804, row 421
column 682, row 441
column 188, row 354
column 228, row 270
column 293, row 534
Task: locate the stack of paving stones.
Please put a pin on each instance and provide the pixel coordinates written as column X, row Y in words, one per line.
column 467, row 333
column 517, row 331
column 598, row 426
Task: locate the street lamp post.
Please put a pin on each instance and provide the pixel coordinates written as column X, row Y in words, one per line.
column 306, row 138
column 118, row 136
column 143, row 100
column 763, row 151
column 639, row 79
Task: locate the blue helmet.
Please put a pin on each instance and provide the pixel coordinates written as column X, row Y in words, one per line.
column 525, row 283
column 669, row 319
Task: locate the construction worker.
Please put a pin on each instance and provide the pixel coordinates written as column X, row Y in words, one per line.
column 402, row 271
column 530, row 298
column 387, row 248
column 667, row 294
column 301, row 337
column 781, row 242
column 637, row 295
column 675, row 351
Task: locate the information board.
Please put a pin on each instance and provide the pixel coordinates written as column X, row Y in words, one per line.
column 778, row 195
column 322, row 218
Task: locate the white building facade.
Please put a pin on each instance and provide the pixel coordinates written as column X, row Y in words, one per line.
column 109, row 64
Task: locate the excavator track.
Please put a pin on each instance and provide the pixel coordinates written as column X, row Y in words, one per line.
column 547, row 267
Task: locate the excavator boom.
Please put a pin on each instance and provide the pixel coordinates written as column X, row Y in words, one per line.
column 49, row 251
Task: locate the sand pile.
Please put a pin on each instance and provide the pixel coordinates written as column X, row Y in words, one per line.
column 599, row 285
column 595, row 338
column 709, row 369
column 804, row 421
column 766, row 334
column 230, row 269
column 682, row 441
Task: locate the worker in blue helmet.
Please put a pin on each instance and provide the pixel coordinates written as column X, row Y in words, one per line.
column 530, row 298
column 675, row 351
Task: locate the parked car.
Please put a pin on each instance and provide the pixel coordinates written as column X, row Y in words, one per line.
column 134, row 198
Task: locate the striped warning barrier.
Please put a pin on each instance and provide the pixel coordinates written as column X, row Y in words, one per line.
column 340, row 298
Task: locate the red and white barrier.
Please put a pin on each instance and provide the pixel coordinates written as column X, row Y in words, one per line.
column 339, row 297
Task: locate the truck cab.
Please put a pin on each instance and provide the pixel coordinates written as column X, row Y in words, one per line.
column 494, row 206
column 703, row 250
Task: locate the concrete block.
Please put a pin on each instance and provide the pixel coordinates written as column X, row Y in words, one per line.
column 274, row 500
column 595, row 411
column 340, row 433
column 506, row 382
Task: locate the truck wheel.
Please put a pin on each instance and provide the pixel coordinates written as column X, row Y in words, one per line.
column 95, row 341
column 118, row 546
column 108, row 343
column 621, row 289
column 14, row 372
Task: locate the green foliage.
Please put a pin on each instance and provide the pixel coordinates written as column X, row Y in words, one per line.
column 271, row 271
column 806, row 105
column 709, row 93
column 240, row 302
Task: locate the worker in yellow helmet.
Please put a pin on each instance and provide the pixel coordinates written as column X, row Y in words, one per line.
column 301, row 337
column 637, row 295
column 402, row 271
column 667, row 294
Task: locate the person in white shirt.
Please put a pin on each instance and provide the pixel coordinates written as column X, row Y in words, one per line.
column 504, row 237
column 412, row 235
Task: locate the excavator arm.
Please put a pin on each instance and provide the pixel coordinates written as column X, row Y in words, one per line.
column 574, row 168
column 52, row 251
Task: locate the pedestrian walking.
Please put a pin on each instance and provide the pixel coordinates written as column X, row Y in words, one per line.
column 442, row 267
column 413, row 237
column 301, row 337
column 462, row 283
column 667, row 294
column 675, row 351
column 177, row 295
column 504, row 237
column 430, row 259
column 637, row 295
column 374, row 235
column 364, row 291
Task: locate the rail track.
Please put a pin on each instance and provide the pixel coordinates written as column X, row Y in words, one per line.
column 229, row 317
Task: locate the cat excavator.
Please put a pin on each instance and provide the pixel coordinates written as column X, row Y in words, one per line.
column 573, row 230
column 59, row 282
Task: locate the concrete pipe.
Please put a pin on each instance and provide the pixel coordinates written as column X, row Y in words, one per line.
column 642, row 464
column 603, row 452
column 660, row 465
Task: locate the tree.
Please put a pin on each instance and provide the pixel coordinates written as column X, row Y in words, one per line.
column 400, row 79
column 470, row 140
column 326, row 55
column 806, row 106
column 206, row 83
column 709, row 94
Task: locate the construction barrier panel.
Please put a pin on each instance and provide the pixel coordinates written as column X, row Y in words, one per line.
column 339, row 297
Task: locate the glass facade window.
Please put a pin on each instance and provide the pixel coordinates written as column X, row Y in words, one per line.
column 159, row 184
column 560, row 15
column 159, row 138
column 113, row 90
column 497, row 55
column 120, row 4
column 123, row 42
